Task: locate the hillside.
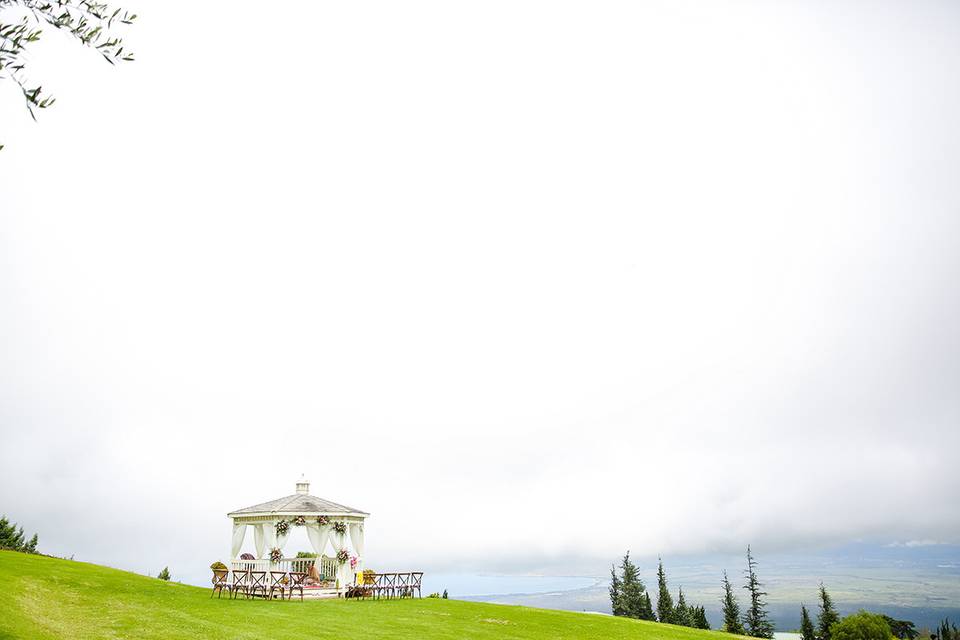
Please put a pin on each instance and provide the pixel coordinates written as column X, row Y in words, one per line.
column 44, row 598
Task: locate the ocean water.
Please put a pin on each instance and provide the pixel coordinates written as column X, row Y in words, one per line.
column 460, row 585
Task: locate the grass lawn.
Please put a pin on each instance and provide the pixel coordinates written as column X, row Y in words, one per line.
column 48, row 598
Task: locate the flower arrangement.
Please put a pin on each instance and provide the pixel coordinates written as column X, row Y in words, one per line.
column 340, row 527
column 282, row 527
column 299, row 521
column 322, row 520
column 353, row 562
column 276, row 555
column 342, row 556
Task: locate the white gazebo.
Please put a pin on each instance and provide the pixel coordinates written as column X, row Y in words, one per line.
column 328, row 525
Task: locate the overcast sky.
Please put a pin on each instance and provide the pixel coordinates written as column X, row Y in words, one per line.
column 528, row 281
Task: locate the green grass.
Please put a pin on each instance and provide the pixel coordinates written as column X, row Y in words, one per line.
column 49, row 598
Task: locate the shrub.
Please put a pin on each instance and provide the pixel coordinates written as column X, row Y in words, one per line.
column 444, row 594
column 165, row 574
column 306, row 554
column 862, row 625
column 435, row 594
column 218, row 566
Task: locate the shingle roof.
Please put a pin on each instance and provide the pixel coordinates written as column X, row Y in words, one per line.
column 298, row 503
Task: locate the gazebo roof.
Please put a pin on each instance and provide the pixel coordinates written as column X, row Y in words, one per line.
column 298, row 503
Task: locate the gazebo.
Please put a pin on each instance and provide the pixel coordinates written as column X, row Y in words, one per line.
column 327, row 525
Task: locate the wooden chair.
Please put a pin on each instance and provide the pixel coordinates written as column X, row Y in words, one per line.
column 416, row 578
column 371, row 584
column 257, row 581
column 241, row 582
column 297, row 578
column 221, row 582
column 389, row 585
column 403, row 584
column 276, row 583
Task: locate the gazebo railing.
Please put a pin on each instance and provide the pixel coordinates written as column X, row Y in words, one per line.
column 326, row 566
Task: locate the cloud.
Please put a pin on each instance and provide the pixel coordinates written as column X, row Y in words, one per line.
column 532, row 284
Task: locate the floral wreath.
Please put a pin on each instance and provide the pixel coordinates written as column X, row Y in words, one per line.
column 340, row 527
column 299, row 521
column 323, row 520
column 282, row 527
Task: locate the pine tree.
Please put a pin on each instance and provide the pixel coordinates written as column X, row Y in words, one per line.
column 647, row 611
column 756, row 621
column 664, row 601
column 165, row 574
column 731, row 609
column 616, row 599
column 13, row 538
column 698, row 619
column 632, row 590
column 681, row 614
column 828, row 615
column 948, row 631
column 807, row 632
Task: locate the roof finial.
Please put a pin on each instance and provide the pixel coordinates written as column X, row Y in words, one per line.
column 303, row 486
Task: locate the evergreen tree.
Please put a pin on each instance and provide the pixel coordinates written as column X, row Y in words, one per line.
column 948, row 631
column 633, row 593
column 698, row 619
column 807, row 632
column 903, row 629
column 165, row 574
column 616, row 599
column 13, row 538
column 828, row 615
column 647, row 610
column 444, row 596
column 664, row 601
column 756, row 620
column 681, row 613
column 731, row 609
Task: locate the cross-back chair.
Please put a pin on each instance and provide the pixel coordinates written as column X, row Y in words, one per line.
column 297, row 579
column 241, row 582
column 277, row 583
column 221, row 582
column 257, row 583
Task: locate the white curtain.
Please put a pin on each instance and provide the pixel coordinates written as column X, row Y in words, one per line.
column 356, row 538
column 339, row 541
column 239, row 531
column 282, row 538
column 318, row 536
column 270, row 535
column 259, row 539
column 265, row 538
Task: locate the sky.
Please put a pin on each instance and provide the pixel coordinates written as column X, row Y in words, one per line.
column 533, row 283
